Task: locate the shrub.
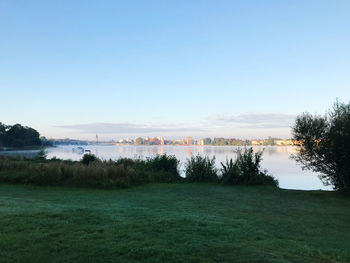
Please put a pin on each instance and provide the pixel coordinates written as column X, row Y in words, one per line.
column 88, row 158
column 163, row 168
column 230, row 172
column 324, row 143
column 201, row 169
column 245, row 169
column 41, row 155
column 127, row 162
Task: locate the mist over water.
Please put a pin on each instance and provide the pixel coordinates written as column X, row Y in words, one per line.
column 275, row 159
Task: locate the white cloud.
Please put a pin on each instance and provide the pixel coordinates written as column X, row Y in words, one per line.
column 251, row 120
column 241, row 125
column 125, row 128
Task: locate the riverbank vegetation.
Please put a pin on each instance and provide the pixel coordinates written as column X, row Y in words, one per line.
column 246, row 169
column 90, row 172
column 126, row 172
column 197, row 222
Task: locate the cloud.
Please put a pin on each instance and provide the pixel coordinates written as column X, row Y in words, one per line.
column 219, row 125
column 251, row 120
column 126, row 128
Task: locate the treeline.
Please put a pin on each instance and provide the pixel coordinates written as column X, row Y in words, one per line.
column 225, row 141
column 18, row 136
column 125, row 172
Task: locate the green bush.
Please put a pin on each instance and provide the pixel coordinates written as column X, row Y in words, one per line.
column 88, row 158
column 163, row 168
column 41, row 155
column 245, row 169
column 127, row 162
column 201, row 169
column 230, row 172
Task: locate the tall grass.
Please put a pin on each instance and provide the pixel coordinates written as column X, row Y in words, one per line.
column 90, row 172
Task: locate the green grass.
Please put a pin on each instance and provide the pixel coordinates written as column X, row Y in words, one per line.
column 173, row 223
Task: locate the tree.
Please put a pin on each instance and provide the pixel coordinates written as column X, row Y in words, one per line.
column 207, row 141
column 325, row 145
column 3, row 134
column 138, row 141
column 18, row 136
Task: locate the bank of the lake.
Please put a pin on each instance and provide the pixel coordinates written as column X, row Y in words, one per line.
column 173, row 223
column 276, row 159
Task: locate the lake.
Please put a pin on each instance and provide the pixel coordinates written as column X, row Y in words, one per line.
column 276, row 159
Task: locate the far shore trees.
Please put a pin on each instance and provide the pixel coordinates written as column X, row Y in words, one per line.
column 325, row 145
column 18, row 136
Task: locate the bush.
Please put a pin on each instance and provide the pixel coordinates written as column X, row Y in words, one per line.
column 126, row 162
column 88, row 158
column 230, row 172
column 41, row 155
column 245, row 169
column 201, row 169
column 324, row 145
column 163, row 168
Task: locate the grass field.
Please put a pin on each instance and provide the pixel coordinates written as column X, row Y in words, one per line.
column 173, row 223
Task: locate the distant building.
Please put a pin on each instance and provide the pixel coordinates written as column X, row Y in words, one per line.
column 189, row 140
column 255, row 142
column 161, row 140
column 200, row 142
column 284, row 142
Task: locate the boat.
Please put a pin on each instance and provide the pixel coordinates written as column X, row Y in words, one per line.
column 78, row 150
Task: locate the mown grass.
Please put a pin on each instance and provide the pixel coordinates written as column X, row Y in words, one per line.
column 173, row 223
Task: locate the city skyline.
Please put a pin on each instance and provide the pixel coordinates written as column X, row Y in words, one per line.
column 188, row 141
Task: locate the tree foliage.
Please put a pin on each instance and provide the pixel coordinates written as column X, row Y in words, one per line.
column 325, row 145
column 88, row 158
column 18, row 136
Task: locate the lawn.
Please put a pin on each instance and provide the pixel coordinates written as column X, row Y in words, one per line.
column 173, row 223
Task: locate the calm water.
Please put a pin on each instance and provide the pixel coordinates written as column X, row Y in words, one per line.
column 275, row 159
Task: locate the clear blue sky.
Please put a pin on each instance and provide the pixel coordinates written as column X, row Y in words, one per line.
column 171, row 68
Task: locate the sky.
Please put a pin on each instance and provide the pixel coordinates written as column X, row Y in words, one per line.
column 242, row 69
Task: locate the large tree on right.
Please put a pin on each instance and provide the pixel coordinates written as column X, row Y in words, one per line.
column 325, row 145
